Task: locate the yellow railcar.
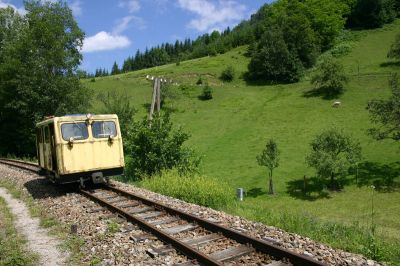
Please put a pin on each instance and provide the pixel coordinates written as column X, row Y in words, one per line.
column 77, row 148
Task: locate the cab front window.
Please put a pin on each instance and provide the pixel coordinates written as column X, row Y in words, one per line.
column 77, row 131
column 104, row 129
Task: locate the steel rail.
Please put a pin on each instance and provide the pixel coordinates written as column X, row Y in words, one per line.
column 184, row 248
column 11, row 162
column 260, row 245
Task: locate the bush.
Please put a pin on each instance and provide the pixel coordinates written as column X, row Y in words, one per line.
column 394, row 51
column 207, row 93
column 195, row 189
column 330, row 78
column 199, row 81
column 153, row 147
column 228, row 74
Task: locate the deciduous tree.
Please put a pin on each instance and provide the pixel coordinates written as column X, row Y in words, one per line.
column 332, row 153
column 37, row 71
column 385, row 114
column 269, row 158
column 329, row 78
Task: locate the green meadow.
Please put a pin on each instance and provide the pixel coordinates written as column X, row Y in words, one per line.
column 232, row 128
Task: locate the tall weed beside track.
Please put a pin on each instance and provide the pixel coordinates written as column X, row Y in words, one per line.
column 195, row 189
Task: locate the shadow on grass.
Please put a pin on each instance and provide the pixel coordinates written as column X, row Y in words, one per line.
column 251, row 81
column 385, row 177
column 163, row 107
column 320, row 93
column 313, row 189
column 255, row 192
column 390, row 64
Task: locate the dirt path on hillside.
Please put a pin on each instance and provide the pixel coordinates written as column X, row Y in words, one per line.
column 37, row 238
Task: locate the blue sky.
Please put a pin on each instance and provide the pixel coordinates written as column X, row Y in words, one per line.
column 116, row 29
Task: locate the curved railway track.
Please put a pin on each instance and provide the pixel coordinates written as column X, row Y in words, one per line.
column 204, row 241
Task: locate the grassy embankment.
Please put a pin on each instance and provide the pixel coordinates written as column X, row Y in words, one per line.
column 231, row 129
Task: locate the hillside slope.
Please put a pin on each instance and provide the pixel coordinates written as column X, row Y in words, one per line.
column 232, row 128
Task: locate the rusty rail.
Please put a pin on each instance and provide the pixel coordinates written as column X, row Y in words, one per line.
column 260, row 245
column 12, row 162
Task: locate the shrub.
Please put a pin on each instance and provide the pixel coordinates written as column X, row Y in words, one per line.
column 195, row 189
column 199, row 81
column 154, row 146
column 178, row 63
column 394, row 51
column 92, row 80
column 228, row 74
column 207, row 93
column 330, row 78
column 116, row 103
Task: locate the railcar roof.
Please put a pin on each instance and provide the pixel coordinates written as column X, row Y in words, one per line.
column 77, row 117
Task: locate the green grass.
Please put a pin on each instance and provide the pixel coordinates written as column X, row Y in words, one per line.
column 232, row 128
column 195, row 189
column 12, row 245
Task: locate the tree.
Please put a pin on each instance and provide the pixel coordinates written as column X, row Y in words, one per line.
column 272, row 60
column 154, row 146
column 333, row 153
column 269, row 158
column 395, row 48
column 38, row 72
column 330, row 78
column 386, row 114
column 115, row 69
column 372, row 13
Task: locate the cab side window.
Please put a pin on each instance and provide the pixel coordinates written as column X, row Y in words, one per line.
column 46, row 135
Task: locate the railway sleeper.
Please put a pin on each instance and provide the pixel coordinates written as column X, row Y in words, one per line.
column 202, row 239
column 159, row 251
column 232, row 253
column 164, row 221
column 180, row 228
column 142, row 237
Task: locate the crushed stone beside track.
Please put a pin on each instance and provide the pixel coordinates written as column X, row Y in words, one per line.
column 117, row 248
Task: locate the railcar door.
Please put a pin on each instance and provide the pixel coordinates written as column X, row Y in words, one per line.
column 53, row 148
column 107, row 145
column 39, row 146
column 47, row 148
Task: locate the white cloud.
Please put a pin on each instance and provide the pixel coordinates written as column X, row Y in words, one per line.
column 4, row 4
column 132, row 5
column 76, row 7
column 213, row 14
column 104, row 41
column 125, row 22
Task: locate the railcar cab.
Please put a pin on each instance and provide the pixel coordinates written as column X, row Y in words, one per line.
column 77, row 148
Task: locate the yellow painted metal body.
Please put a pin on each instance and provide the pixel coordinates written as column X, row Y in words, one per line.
column 65, row 157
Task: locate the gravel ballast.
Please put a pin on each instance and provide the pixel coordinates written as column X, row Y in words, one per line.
column 107, row 240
